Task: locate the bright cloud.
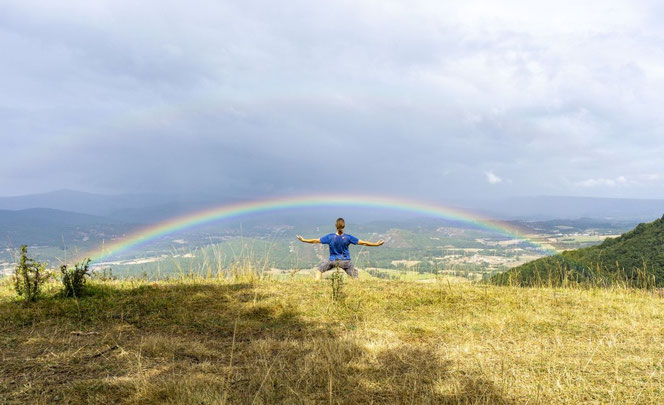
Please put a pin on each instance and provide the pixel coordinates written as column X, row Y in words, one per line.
column 603, row 182
column 492, row 178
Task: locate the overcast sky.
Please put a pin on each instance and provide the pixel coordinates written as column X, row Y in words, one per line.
column 413, row 98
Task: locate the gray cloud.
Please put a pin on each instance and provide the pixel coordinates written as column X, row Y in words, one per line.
column 248, row 98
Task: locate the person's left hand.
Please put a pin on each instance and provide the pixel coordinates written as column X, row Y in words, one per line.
column 380, row 242
column 300, row 238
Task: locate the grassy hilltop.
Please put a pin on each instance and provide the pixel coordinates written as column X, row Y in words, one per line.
column 267, row 341
column 635, row 258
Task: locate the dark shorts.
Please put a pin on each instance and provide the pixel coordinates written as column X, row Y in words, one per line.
column 347, row 265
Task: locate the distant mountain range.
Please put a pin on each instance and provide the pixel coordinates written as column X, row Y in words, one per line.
column 634, row 256
column 72, row 216
column 134, row 208
column 46, row 226
column 150, row 208
column 81, row 202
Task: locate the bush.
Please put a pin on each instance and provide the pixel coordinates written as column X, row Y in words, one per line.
column 29, row 276
column 337, row 280
column 74, row 279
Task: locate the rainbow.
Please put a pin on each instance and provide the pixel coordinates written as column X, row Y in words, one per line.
column 222, row 212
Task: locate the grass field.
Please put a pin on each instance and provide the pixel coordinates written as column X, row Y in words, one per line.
column 275, row 341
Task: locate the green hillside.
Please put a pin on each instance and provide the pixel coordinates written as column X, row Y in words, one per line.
column 635, row 258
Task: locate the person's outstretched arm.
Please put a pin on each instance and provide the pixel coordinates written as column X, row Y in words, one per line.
column 365, row 243
column 308, row 240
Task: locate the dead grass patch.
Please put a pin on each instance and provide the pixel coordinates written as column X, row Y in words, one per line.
column 210, row 341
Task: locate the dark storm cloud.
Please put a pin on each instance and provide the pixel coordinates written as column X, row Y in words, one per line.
column 246, row 98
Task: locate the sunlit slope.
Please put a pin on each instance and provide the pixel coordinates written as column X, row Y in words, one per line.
column 209, row 341
column 635, row 258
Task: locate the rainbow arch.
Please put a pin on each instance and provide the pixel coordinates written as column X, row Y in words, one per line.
column 227, row 211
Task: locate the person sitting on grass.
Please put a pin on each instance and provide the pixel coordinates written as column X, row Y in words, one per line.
column 339, row 243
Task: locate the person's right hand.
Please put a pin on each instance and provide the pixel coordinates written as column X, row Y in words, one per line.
column 300, row 238
column 380, row 242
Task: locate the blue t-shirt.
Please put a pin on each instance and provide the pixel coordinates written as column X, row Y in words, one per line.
column 339, row 245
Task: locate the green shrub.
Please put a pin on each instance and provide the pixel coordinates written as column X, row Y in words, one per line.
column 74, row 279
column 337, row 280
column 29, row 276
column 634, row 259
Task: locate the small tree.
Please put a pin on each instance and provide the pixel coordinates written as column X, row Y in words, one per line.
column 337, row 280
column 74, row 279
column 29, row 276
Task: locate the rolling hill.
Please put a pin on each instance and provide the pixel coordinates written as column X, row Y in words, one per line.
column 81, row 202
column 636, row 257
column 45, row 226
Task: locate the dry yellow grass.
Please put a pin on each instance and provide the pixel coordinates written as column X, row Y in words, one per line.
column 212, row 341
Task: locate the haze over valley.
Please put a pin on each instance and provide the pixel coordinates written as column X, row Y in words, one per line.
column 66, row 224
